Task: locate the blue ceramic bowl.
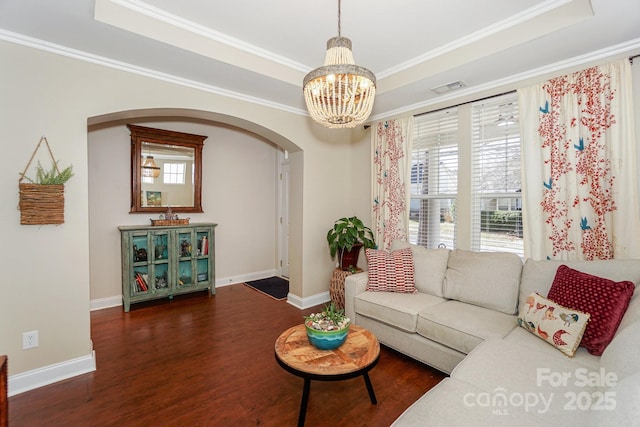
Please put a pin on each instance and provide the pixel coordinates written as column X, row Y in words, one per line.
column 327, row 340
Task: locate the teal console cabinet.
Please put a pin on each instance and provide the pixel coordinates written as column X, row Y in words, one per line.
column 163, row 261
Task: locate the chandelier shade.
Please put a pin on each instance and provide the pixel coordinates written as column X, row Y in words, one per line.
column 339, row 94
column 150, row 169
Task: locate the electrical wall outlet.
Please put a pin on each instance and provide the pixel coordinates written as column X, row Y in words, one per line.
column 29, row 339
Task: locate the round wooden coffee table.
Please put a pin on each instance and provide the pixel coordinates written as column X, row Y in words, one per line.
column 356, row 357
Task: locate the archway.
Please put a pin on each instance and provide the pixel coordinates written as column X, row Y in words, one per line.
column 185, row 116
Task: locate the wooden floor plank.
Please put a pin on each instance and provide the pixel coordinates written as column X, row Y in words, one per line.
column 203, row 360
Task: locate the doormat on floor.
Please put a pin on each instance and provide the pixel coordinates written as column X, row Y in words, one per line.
column 275, row 287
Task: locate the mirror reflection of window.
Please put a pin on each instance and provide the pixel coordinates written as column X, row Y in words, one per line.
column 174, row 173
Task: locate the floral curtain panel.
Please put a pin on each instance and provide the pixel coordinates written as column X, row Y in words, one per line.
column 390, row 150
column 580, row 195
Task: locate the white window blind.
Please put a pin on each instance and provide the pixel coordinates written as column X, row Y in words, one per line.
column 434, row 179
column 496, row 188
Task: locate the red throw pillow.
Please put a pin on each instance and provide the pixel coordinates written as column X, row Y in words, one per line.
column 605, row 300
column 390, row 271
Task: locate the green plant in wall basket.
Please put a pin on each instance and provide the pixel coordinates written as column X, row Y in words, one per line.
column 42, row 198
column 53, row 176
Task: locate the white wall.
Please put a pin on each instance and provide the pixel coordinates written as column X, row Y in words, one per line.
column 239, row 193
column 46, row 274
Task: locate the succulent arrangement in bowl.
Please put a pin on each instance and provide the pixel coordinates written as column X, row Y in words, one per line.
column 327, row 329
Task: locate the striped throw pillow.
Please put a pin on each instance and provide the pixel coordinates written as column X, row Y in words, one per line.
column 390, row 271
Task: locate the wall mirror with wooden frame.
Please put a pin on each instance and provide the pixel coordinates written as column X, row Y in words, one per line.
column 166, row 170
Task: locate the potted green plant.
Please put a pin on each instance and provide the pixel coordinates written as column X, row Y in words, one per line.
column 328, row 329
column 346, row 238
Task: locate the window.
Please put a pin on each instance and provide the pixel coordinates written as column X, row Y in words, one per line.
column 496, row 189
column 434, row 179
column 465, row 177
column 173, row 173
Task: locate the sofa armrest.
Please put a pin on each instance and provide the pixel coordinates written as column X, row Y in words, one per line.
column 353, row 285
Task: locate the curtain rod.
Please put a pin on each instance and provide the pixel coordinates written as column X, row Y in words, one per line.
column 465, row 103
column 457, row 105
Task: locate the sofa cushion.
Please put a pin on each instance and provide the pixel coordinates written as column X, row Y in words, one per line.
column 617, row 357
column 557, row 325
column 605, row 300
column 390, row 271
column 395, row 309
column 499, row 367
column 429, row 265
column 455, row 403
column 462, row 326
column 627, row 405
column 486, row 279
column 523, row 339
column 633, row 312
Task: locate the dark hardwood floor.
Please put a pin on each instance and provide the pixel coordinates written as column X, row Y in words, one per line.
column 209, row 361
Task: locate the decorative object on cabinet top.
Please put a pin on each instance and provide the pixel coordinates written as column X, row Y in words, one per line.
column 169, row 218
column 181, row 221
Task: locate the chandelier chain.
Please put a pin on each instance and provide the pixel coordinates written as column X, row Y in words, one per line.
column 339, row 19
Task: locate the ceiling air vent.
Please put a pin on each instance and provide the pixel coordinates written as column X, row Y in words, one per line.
column 449, row 87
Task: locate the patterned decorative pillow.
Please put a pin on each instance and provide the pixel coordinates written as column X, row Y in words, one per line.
column 390, row 271
column 559, row 326
column 605, row 300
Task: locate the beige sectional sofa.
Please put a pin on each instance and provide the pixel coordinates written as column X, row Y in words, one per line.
column 464, row 321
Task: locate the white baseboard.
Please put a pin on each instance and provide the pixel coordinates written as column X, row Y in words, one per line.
column 116, row 300
column 311, row 301
column 46, row 375
column 257, row 275
column 292, row 299
column 100, row 303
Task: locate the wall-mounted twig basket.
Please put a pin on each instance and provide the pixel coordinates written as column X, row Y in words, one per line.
column 41, row 204
column 42, row 201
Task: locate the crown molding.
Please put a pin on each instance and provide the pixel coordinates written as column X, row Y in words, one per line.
column 201, row 30
column 146, row 72
column 484, row 33
column 616, row 51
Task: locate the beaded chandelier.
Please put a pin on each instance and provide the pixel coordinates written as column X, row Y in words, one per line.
column 150, row 169
column 339, row 94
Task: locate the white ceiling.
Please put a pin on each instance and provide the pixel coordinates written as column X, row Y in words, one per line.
column 261, row 50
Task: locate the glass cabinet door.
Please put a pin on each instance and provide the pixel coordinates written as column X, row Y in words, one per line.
column 185, row 249
column 161, row 274
column 203, row 263
column 193, row 248
column 140, row 273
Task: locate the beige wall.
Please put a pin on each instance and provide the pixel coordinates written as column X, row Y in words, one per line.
column 239, row 193
column 47, row 278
